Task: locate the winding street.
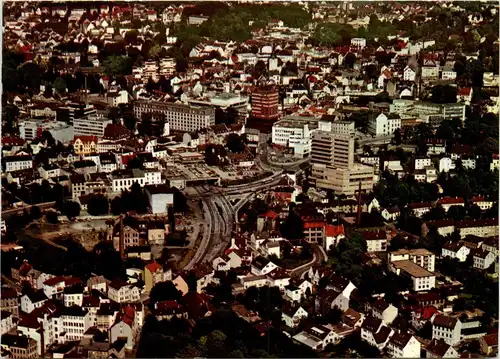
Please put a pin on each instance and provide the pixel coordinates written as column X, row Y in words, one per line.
column 319, row 255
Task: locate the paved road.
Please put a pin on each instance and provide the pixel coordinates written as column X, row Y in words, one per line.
column 319, row 255
column 27, row 207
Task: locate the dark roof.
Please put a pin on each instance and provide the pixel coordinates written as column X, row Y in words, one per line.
column 466, row 223
column 371, row 324
column 374, row 235
column 380, row 305
column 16, row 341
column 83, row 163
column 17, row 158
column 260, row 262
column 197, row 304
column 445, row 321
column 36, row 296
column 8, row 293
column 438, row 347
column 160, row 188
column 480, row 253
column 382, row 335
column 400, row 339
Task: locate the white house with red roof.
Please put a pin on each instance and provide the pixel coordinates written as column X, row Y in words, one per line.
column 482, row 202
column 333, row 235
column 447, row 202
column 124, row 327
column 477, row 227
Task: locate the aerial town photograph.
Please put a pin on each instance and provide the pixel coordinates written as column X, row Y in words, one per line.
column 232, row 179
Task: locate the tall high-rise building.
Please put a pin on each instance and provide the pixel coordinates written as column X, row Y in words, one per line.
column 333, row 167
column 265, row 102
column 332, row 149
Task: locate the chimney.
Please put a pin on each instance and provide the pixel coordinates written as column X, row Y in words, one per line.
column 358, row 219
column 121, row 244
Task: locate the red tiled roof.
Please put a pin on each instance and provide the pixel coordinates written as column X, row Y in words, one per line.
column 374, row 235
column 153, row 267
column 491, row 340
column 334, row 231
column 451, row 200
column 53, row 281
column 426, row 313
column 314, row 224
column 13, row 141
column 86, row 138
column 269, row 214
column 467, row 223
column 464, row 91
column 420, row 205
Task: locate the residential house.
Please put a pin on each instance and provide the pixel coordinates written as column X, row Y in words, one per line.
column 327, row 299
column 375, row 333
column 438, row 348
column 455, row 250
column 390, row 214
column 154, row 273
column 122, row 292
column 262, row 266
column 444, row 227
column 316, row 337
column 292, row 315
column 482, row 259
column 8, row 322
column 446, row 328
column 32, row 300
column 18, row 346
column 84, row 145
column 419, row 209
column 482, row 203
column 447, row 202
column 489, row 344
column 333, row 235
column 477, row 227
column 376, row 240
column 385, row 311
column 490, row 244
column 125, row 327
column 9, row 301
column 403, row 345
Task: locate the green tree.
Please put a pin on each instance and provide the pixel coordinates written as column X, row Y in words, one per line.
column 235, row 143
column 98, row 205
column 163, row 291
column 154, row 52
column 71, row 209
column 60, row 85
column 117, row 65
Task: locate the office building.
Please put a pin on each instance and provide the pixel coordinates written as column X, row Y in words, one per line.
column 33, row 128
column 76, row 110
column 180, row 117
column 90, row 126
column 333, row 167
column 265, row 103
column 332, row 149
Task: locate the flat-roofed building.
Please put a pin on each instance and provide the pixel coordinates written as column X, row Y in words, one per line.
column 180, row 117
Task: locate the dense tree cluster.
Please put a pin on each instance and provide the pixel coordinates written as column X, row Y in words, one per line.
column 98, row 205
column 347, row 257
column 76, row 261
column 134, row 200
column 223, row 334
